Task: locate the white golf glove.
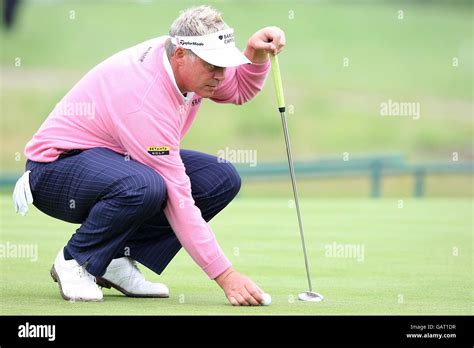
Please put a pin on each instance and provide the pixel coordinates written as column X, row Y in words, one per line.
column 22, row 194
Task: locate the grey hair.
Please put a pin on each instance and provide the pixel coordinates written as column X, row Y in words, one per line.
column 195, row 21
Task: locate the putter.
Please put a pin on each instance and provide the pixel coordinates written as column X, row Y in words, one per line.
column 307, row 295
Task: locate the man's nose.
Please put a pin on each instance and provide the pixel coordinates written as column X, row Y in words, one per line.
column 219, row 74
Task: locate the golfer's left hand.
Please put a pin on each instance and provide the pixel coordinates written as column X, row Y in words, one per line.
column 22, row 194
column 265, row 41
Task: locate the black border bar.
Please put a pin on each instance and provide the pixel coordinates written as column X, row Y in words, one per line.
column 243, row 330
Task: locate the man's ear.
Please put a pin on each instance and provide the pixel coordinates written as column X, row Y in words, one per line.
column 180, row 55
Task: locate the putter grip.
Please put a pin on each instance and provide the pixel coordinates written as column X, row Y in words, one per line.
column 278, row 84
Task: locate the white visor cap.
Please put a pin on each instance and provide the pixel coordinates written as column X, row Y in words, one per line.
column 217, row 48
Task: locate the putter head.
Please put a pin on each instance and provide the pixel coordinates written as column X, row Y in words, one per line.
column 310, row 296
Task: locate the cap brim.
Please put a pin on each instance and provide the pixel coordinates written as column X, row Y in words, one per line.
column 224, row 57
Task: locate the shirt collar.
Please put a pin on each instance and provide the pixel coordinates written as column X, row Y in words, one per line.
column 168, row 69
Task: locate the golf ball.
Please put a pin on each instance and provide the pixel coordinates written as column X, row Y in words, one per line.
column 267, row 299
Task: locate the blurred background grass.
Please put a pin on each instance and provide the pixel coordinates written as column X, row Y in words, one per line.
column 332, row 108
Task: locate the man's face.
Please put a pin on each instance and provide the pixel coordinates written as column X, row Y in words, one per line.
column 201, row 77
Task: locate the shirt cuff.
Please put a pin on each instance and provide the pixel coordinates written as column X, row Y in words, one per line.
column 217, row 267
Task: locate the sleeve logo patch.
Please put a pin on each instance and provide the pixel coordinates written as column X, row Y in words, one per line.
column 158, row 150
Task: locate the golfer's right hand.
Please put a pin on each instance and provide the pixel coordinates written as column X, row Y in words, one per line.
column 240, row 290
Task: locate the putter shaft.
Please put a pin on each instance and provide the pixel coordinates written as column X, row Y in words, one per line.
column 295, row 194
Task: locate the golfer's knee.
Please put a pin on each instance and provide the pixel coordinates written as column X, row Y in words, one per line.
column 233, row 181
column 155, row 194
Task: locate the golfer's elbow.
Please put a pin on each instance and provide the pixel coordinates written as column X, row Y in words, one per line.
column 244, row 97
column 241, row 101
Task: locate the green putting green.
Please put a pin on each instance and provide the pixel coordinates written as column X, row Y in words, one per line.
column 367, row 257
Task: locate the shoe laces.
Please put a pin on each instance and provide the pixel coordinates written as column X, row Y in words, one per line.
column 135, row 265
column 140, row 274
column 82, row 273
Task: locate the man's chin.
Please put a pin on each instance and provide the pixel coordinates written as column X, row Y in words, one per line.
column 206, row 94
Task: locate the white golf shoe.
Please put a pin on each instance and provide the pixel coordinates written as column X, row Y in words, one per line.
column 75, row 283
column 123, row 274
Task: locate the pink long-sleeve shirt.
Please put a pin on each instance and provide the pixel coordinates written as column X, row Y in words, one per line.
column 130, row 104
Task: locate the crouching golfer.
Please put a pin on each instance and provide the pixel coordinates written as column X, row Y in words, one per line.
column 109, row 157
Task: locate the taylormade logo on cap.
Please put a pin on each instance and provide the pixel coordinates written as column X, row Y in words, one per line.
column 194, row 43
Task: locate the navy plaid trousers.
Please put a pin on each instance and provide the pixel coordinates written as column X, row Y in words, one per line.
column 119, row 203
